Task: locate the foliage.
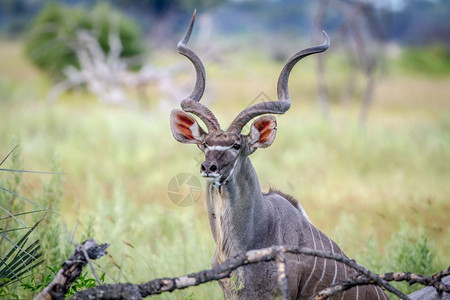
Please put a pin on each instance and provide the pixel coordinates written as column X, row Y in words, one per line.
column 412, row 253
column 237, row 282
column 19, row 257
column 431, row 60
column 36, row 284
column 83, row 282
column 19, row 260
column 167, row 6
column 52, row 41
column 407, row 251
column 21, row 270
column 190, row 5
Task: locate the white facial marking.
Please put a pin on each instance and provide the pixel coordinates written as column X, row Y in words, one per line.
column 219, row 148
column 231, row 172
column 211, row 177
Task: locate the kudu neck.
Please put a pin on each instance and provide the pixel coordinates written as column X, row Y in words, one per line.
column 236, row 210
column 243, row 183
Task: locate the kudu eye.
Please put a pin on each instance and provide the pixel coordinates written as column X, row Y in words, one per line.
column 237, row 146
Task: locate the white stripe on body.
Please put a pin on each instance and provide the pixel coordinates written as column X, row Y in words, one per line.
column 376, row 290
column 345, row 274
column 382, row 293
column 324, row 264
column 335, row 263
column 315, row 261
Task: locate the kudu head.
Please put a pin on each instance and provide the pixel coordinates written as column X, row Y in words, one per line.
column 223, row 149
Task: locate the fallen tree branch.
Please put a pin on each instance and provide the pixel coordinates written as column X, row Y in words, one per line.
column 276, row 253
column 157, row 286
column 410, row 278
column 434, row 281
column 282, row 277
column 71, row 269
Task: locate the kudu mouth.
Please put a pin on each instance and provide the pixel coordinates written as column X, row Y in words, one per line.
column 213, row 178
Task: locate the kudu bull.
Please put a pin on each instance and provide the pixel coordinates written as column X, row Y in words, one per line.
column 243, row 218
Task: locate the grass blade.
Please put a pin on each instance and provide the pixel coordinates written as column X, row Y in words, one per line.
column 22, row 241
column 22, row 213
column 14, row 229
column 12, row 269
column 18, row 265
column 26, row 199
column 32, row 251
column 11, row 215
column 1, row 163
column 30, row 268
column 34, row 172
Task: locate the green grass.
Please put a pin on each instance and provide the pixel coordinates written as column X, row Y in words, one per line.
column 376, row 191
column 433, row 60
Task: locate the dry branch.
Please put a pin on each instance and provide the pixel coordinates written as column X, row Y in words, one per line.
column 282, row 278
column 71, row 269
column 108, row 76
column 277, row 253
column 433, row 281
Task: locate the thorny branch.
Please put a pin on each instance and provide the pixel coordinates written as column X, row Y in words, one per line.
column 277, row 253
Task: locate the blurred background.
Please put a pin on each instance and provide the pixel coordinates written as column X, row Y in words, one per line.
column 86, row 89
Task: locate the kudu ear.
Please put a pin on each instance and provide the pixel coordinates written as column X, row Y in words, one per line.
column 185, row 128
column 262, row 132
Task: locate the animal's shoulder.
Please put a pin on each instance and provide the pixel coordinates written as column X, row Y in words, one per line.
column 288, row 197
column 294, row 202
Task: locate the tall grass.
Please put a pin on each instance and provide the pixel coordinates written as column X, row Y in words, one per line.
column 30, row 237
column 370, row 190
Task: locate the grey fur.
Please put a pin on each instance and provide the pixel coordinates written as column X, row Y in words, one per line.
column 429, row 293
column 250, row 220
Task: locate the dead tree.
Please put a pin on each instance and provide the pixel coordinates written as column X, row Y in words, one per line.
column 363, row 37
column 108, row 75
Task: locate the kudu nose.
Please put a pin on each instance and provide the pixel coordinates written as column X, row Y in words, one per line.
column 208, row 167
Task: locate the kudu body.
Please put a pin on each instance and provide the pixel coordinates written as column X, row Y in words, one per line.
column 243, row 218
